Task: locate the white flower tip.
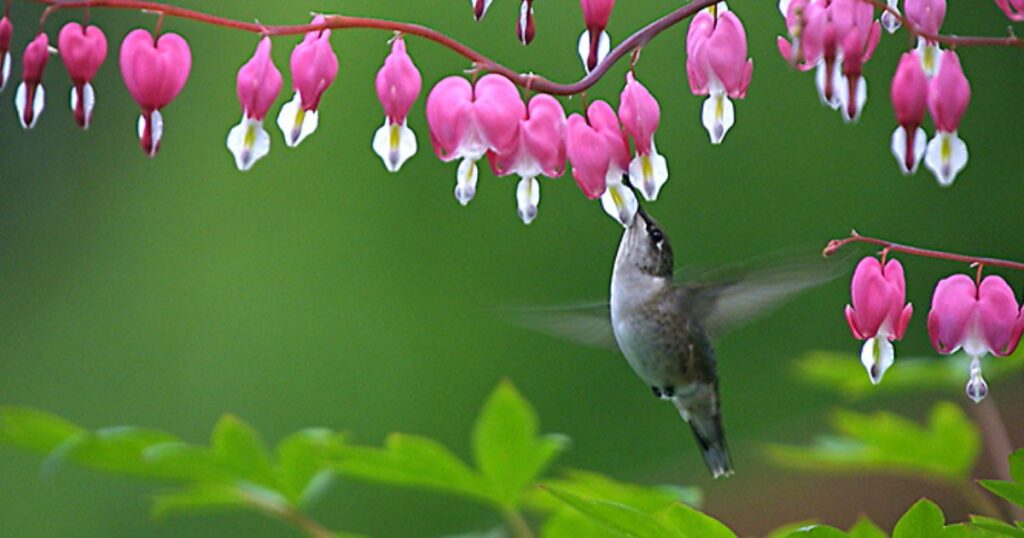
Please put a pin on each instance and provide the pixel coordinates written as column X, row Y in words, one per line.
column 5, row 70
column 826, row 81
column 977, row 388
column 87, row 101
column 784, row 7
column 394, row 143
column 929, row 55
column 908, row 153
column 620, row 203
column 248, row 142
column 28, row 113
column 648, row 173
column 465, row 181
column 604, row 46
column 890, row 21
column 877, row 356
column 528, row 198
column 297, row 123
column 946, row 156
column 852, row 105
column 718, row 116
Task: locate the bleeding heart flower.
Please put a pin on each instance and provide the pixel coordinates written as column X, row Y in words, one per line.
column 154, row 71
column 909, row 95
column 398, row 86
column 6, row 31
column 314, row 67
column 595, row 43
column 83, row 50
column 31, row 96
column 599, row 152
column 640, row 115
column 948, row 96
column 717, row 66
column 878, row 315
column 258, row 84
column 927, row 16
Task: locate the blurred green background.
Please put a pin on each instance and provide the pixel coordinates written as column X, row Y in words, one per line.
column 320, row 290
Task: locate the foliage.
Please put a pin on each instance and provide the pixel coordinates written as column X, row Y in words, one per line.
column 1011, row 490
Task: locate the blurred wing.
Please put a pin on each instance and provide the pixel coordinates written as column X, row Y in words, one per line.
column 586, row 324
column 728, row 302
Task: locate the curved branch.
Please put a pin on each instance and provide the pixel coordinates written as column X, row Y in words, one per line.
column 950, row 40
column 836, row 244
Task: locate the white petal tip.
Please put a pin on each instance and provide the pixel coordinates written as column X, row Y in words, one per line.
column 465, row 181
column 394, row 143
column 604, row 46
column 28, row 113
column 877, row 356
column 248, row 142
column 946, row 156
column 620, row 203
column 295, row 122
column 718, row 116
column 648, row 174
column 527, row 199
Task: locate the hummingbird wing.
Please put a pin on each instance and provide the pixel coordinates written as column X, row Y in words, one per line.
column 588, row 324
column 728, row 301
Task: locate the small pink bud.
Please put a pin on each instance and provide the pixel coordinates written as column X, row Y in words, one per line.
column 948, row 96
column 594, row 42
column 525, row 29
column 926, row 15
column 155, row 73
column 1014, row 9
column 258, row 84
column 314, row 66
column 83, row 50
column 31, row 95
column 6, row 31
column 909, row 93
column 398, row 86
column 878, row 314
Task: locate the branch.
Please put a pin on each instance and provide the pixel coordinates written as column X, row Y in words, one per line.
column 836, row 244
column 950, row 40
column 341, row 22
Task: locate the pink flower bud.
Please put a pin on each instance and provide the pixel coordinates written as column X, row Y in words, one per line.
column 154, row 71
column 314, row 67
column 258, row 84
column 31, row 96
column 83, row 50
column 1014, row 9
column 926, row 15
column 878, row 315
column 594, row 42
column 398, row 86
column 948, row 96
column 909, row 93
column 6, row 31
column 525, row 29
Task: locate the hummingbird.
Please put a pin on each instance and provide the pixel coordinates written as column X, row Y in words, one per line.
column 666, row 328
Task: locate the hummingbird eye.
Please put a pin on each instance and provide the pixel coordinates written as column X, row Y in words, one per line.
column 656, row 235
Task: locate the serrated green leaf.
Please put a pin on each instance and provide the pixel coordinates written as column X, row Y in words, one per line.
column 196, row 500
column 506, row 444
column 1011, row 491
column 693, row 524
column 945, row 449
column 597, row 486
column 923, row 520
column 996, row 527
column 865, row 528
column 304, row 463
column 618, row 517
column 34, row 430
column 409, row 460
column 239, row 448
column 843, row 372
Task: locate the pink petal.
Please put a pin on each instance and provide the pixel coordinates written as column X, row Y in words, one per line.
column 587, row 151
column 640, row 114
column 398, row 82
column 909, row 91
column 999, row 315
column 954, row 304
column 949, row 93
column 83, row 50
column 498, row 108
column 449, row 115
column 259, row 82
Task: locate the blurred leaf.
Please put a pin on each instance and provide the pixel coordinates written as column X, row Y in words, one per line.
column 1017, row 465
column 788, row 529
column 816, row 531
column 34, row 430
column 865, row 528
column 199, row 499
column 923, row 520
column 996, row 527
column 694, row 524
column 594, row 485
column 843, row 372
column 118, row 449
column 618, row 517
column 506, row 445
column 946, row 448
column 1011, row 491
column 409, row 460
column 303, row 467
column 569, row 523
column 239, row 448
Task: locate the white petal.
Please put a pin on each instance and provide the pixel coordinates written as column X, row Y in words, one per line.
column 860, row 98
column 899, row 148
column 890, row 21
column 977, row 388
column 929, row 55
column 89, row 102
column 946, row 156
column 487, row 5
column 820, row 76
column 5, row 71
column 295, row 123
column 38, row 102
column 716, row 9
column 394, row 144
column 620, row 203
column 528, row 198
column 877, row 356
column 718, row 116
column 648, row 173
column 465, row 181
column 604, row 46
column 784, row 7
column 248, row 142
column 157, row 133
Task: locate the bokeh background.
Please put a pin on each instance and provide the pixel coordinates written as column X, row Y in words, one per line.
column 320, row 290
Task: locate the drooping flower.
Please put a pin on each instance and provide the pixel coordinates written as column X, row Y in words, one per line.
column 599, row 152
column 525, row 29
column 83, row 50
column 890, row 18
column 480, row 8
column 595, row 43
column 1014, row 9
column 467, row 121
column 640, row 114
column 31, row 96
column 258, row 84
column 860, row 33
column 314, row 67
column 539, row 149
column 909, row 95
column 154, row 71
column 979, row 319
column 398, row 86
column 717, row 66
column 948, row 96
column 879, row 315
column 6, row 31
column 927, row 16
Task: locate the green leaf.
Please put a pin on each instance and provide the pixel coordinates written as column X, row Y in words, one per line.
column 119, row 449
column 923, row 520
column 693, row 524
column 788, row 529
column 865, row 528
column 304, row 463
column 1011, row 491
column 408, row 460
column 996, row 527
column 506, row 445
column 594, row 485
column 200, row 499
column 34, row 430
column 618, row 517
column 945, row 449
column 843, row 372
column 816, row 531
column 1017, row 465
column 240, row 449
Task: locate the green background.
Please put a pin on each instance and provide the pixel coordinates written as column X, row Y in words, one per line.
column 318, row 289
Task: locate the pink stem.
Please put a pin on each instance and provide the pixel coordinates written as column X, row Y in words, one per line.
column 836, row 244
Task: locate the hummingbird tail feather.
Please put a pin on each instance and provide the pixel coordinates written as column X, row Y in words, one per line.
column 707, row 429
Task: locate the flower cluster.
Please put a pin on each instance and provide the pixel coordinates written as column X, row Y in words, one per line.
column 979, row 316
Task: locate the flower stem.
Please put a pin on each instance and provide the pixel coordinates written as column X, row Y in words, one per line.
column 950, row 40
column 997, row 443
column 855, row 237
column 306, row 524
column 517, row 524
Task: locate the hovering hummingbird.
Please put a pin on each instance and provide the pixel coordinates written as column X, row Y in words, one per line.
column 665, row 328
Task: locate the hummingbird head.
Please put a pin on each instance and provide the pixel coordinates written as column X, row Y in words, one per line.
column 645, row 247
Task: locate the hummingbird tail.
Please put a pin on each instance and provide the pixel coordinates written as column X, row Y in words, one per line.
column 707, row 429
